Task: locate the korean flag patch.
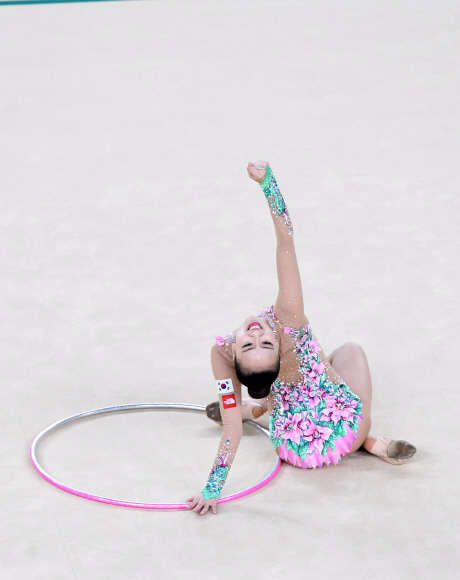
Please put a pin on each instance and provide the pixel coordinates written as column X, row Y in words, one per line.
column 225, row 386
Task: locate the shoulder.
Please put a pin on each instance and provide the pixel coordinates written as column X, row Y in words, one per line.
column 222, row 349
column 282, row 323
column 287, row 323
column 223, row 367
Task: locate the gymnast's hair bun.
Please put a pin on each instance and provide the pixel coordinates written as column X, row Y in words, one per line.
column 260, row 392
column 258, row 383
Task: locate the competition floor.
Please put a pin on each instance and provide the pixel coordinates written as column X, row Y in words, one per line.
column 131, row 235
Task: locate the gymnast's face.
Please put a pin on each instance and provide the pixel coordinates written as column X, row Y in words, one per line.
column 255, row 345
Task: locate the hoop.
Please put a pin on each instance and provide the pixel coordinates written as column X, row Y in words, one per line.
column 120, row 502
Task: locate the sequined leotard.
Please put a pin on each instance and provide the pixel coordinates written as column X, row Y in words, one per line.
column 314, row 416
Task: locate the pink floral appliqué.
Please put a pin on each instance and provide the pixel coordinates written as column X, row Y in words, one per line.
column 290, row 398
column 313, row 346
column 339, row 408
column 311, row 394
column 291, row 427
column 313, row 374
column 316, row 435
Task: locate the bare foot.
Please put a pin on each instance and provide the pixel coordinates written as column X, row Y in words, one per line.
column 253, row 408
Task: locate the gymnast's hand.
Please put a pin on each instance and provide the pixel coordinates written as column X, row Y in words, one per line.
column 198, row 503
column 257, row 170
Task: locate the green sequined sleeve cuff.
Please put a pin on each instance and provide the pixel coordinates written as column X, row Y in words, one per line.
column 275, row 199
column 218, row 474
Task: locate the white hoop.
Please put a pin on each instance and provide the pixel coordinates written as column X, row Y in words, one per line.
column 103, row 410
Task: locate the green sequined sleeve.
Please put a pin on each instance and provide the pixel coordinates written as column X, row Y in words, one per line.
column 275, row 199
column 289, row 302
column 218, row 473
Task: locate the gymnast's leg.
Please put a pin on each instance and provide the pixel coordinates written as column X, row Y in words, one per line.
column 350, row 362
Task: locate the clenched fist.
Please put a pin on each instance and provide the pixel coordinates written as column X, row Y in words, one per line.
column 257, row 170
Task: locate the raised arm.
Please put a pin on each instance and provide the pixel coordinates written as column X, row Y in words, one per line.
column 229, row 391
column 289, row 302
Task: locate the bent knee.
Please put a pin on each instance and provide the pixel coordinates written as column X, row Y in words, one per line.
column 352, row 345
column 353, row 348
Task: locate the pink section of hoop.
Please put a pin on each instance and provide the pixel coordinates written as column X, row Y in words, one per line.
column 150, row 506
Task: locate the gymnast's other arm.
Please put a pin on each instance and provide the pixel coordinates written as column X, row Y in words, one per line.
column 230, row 409
column 289, row 302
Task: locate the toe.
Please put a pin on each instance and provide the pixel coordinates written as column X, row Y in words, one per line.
column 401, row 450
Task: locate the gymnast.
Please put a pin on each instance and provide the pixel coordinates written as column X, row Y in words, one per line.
column 319, row 406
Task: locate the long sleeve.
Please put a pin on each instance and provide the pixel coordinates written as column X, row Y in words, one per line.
column 229, row 392
column 277, row 205
column 289, row 302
